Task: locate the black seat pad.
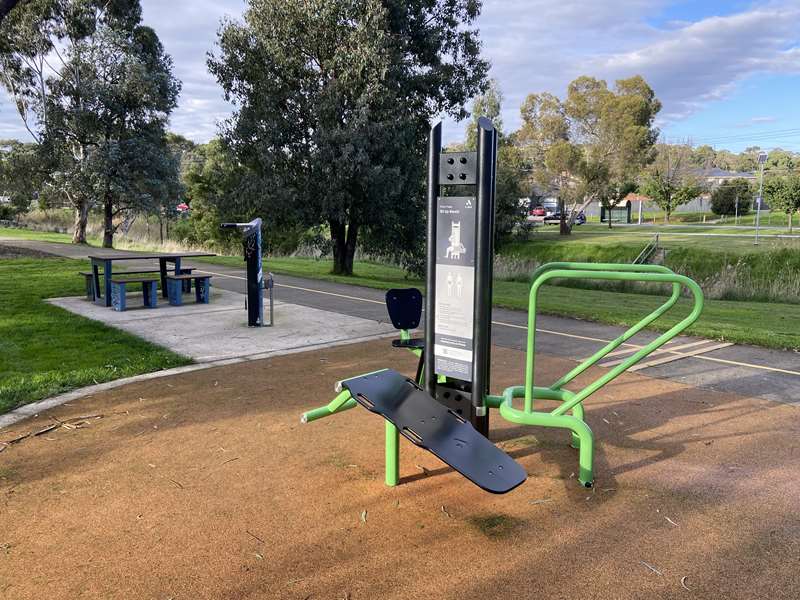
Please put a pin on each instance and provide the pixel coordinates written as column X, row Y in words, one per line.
column 428, row 424
column 415, row 343
column 405, row 307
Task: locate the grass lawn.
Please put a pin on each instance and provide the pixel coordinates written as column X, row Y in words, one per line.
column 773, row 325
column 45, row 350
column 30, row 234
column 764, row 324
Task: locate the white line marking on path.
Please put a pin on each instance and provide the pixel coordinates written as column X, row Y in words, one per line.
column 663, row 350
column 679, row 355
column 524, row 327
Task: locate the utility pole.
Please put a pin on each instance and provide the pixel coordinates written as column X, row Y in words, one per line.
column 762, row 158
column 736, row 217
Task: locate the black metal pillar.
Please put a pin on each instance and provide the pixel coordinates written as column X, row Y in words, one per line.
column 434, row 152
column 484, row 258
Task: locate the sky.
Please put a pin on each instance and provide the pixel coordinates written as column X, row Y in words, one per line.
column 726, row 71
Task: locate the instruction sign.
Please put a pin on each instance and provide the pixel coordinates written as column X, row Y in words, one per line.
column 455, row 283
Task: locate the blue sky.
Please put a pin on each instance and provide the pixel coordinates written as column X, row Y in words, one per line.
column 727, row 72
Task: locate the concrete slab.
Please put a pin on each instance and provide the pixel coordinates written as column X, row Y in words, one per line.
column 218, row 331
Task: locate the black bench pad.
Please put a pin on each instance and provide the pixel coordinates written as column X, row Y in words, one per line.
column 428, row 424
column 413, row 343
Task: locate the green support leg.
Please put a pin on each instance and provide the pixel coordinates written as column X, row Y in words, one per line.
column 577, row 412
column 392, row 454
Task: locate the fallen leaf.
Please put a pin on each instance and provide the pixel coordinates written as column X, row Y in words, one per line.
column 444, row 510
column 683, row 583
column 671, row 521
column 363, row 516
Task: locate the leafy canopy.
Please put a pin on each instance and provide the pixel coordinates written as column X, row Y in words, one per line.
column 333, row 100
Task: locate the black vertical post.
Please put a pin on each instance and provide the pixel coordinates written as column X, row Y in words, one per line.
column 484, row 245
column 434, row 150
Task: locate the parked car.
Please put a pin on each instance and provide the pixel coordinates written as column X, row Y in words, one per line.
column 537, row 211
column 555, row 218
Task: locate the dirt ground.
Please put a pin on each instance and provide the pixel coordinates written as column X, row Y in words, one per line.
column 206, row 485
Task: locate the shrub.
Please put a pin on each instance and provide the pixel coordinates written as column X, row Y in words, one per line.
column 724, row 198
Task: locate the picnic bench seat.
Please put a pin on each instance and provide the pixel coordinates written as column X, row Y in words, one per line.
column 176, row 283
column 118, row 291
column 89, row 279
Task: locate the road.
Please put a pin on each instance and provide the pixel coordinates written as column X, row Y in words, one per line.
column 746, row 370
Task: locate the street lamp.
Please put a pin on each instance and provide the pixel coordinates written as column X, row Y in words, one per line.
column 762, row 158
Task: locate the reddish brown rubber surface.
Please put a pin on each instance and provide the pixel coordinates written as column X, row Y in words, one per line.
column 206, row 485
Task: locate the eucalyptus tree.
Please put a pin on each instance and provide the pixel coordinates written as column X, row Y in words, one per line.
column 94, row 89
column 591, row 145
column 333, row 101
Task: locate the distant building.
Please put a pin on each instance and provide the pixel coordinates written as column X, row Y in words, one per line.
column 716, row 176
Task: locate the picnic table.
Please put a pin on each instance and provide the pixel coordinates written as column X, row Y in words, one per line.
column 105, row 261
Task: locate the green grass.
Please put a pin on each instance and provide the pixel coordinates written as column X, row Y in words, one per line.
column 29, row 234
column 765, row 324
column 45, row 350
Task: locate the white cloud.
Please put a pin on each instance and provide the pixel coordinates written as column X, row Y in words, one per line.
column 534, row 45
column 542, row 45
column 704, row 61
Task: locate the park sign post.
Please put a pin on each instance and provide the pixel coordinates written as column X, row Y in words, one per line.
column 460, row 247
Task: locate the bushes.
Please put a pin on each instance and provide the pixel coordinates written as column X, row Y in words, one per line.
column 724, row 199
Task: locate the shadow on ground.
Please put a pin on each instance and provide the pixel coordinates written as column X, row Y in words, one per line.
column 206, row 485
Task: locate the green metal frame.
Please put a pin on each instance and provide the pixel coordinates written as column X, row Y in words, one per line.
column 568, row 402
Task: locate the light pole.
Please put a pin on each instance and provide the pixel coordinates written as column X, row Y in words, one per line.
column 762, row 158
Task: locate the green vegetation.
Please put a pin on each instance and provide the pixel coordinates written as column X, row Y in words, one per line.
column 45, row 350
column 750, row 275
column 29, row 234
column 98, row 114
column 364, row 98
column 764, row 324
column 733, row 198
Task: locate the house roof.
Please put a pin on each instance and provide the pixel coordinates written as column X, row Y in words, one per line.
column 634, row 197
column 717, row 173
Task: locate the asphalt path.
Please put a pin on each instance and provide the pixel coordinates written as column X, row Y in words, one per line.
column 746, row 370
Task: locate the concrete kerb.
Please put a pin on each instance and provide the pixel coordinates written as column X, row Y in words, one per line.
column 34, row 408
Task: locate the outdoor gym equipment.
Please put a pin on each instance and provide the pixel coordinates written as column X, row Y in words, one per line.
column 445, row 409
column 255, row 275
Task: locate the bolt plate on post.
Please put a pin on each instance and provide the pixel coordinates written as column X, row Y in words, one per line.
column 458, row 168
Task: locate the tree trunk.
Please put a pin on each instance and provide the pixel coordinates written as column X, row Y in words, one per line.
column 344, row 240
column 81, row 219
column 563, row 227
column 790, row 223
column 108, row 223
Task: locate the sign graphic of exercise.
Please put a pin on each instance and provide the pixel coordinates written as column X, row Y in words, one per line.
column 456, row 248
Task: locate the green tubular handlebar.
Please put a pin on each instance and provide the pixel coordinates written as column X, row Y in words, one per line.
column 616, row 343
column 623, row 274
